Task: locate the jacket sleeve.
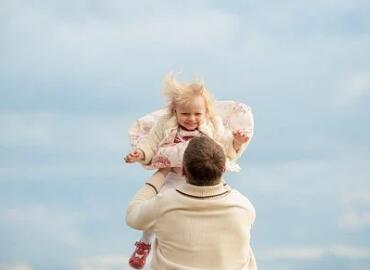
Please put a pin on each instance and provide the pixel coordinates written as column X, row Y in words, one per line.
column 252, row 264
column 226, row 139
column 227, row 142
column 143, row 210
column 150, row 143
column 243, row 147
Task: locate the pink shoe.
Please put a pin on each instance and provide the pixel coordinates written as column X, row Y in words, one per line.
column 138, row 258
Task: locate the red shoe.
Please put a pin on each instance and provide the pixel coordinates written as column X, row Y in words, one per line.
column 138, row 258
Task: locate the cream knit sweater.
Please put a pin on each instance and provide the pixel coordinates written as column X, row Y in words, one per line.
column 196, row 227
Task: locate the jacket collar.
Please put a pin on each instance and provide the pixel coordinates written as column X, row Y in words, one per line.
column 204, row 192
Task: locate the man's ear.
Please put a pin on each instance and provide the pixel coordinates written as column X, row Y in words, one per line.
column 183, row 171
column 224, row 169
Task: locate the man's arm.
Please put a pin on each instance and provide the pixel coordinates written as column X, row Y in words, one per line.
column 252, row 265
column 142, row 211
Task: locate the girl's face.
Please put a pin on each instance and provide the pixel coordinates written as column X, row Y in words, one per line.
column 191, row 115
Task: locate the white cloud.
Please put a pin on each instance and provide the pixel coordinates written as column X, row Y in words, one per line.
column 107, row 262
column 357, row 197
column 315, row 252
column 101, row 39
column 355, row 220
column 65, row 132
column 43, row 224
column 355, row 88
column 351, row 252
column 302, row 253
column 16, row 266
column 25, row 130
column 199, row 29
column 318, row 166
column 62, row 145
column 309, row 176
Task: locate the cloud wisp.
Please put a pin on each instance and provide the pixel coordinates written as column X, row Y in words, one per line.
column 316, row 252
column 356, row 88
column 16, row 266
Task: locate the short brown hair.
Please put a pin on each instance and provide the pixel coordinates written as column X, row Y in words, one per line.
column 204, row 162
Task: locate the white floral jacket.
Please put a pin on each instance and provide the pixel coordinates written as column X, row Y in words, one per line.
column 156, row 132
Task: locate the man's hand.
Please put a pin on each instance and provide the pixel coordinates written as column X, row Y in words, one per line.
column 165, row 171
column 134, row 156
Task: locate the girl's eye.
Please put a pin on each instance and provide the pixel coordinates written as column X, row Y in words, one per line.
column 198, row 114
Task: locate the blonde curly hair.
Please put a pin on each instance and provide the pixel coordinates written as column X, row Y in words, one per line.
column 178, row 93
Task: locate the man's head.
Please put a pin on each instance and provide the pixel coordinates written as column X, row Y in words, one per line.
column 204, row 162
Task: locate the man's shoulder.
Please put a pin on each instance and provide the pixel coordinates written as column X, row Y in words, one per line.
column 165, row 196
column 238, row 197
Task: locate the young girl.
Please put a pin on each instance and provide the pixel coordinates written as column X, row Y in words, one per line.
column 160, row 138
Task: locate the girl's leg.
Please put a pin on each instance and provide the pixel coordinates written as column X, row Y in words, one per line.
column 143, row 246
column 142, row 250
column 147, row 237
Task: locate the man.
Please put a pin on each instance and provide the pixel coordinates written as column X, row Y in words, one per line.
column 204, row 224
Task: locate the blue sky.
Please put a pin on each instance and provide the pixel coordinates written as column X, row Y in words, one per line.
column 75, row 74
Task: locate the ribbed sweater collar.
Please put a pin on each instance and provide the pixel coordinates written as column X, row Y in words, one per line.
column 204, row 192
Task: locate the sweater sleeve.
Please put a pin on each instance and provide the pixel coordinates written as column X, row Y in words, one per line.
column 252, row 265
column 143, row 209
column 150, row 143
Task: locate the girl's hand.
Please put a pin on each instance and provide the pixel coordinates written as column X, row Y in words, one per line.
column 134, row 156
column 240, row 138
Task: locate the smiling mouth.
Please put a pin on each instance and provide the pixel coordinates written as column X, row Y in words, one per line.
column 189, row 127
